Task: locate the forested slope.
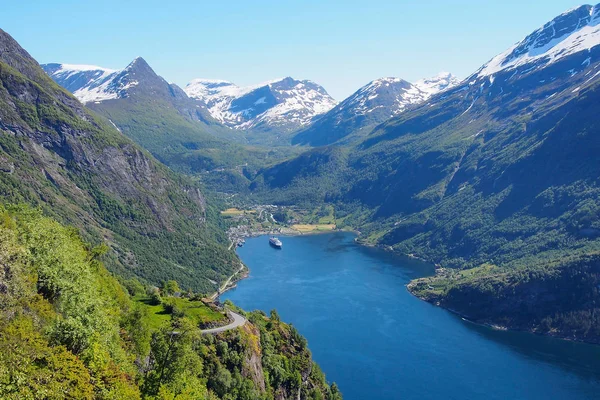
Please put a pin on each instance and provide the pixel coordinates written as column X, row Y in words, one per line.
column 69, row 329
column 57, row 155
column 500, row 171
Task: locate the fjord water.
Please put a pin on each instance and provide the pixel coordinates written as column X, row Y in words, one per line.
column 376, row 341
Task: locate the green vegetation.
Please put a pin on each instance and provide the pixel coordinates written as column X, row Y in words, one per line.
column 69, row 329
column 475, row 178
column 59, row 330
column 154, row 311
column 559, row 298
column 183, row 136
column 57, row 155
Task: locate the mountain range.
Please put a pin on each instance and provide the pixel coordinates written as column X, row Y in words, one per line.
column 286, row 104
column 280, row 108
column 159, row 116
column 371, row 105
column 283, row 105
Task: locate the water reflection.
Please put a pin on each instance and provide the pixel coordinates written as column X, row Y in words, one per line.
column 573, row 357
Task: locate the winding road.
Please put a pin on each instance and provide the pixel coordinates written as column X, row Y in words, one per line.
column 227, row 282
column 238, row 321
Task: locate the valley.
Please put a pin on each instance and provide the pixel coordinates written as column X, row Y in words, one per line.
column 494, row 170
column 451, row 225
column 277, row 220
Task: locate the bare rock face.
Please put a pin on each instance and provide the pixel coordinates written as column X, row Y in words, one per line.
column 252, row 366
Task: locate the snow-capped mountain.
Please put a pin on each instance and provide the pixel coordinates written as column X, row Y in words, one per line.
column 430, row 86
column 137, row 82
column 90, row 83
column 553, row 63
column 372, row 104
column 394, row 95
column 286, row 104
column 573, row 31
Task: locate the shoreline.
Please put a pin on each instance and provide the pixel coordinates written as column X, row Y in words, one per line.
column 496, row 327
column 282, row 231
column 231, row 283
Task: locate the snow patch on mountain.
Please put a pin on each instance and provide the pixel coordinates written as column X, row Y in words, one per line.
column 99, row 93
column 70, row 69
column 436, row 84
column 573, row 31
column 90, row 83
column 214, row 90
column 395, row 94
column 280, row 102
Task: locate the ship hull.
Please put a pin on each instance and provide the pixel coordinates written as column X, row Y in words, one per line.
column 275, row 245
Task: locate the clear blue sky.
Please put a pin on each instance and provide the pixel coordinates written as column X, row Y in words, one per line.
column 340, row 44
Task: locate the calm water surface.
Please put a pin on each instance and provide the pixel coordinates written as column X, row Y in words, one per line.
column 378, row 342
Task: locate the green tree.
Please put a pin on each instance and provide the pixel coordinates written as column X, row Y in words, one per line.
column 170, row 287
column 32, row 369
column 173, row 362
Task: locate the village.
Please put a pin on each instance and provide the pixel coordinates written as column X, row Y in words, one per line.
column 261, row 220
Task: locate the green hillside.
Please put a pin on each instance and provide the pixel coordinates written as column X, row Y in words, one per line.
column 69, row 329
column 501, row 173
column 56, row 155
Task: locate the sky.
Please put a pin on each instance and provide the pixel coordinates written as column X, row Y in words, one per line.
column 340, row 44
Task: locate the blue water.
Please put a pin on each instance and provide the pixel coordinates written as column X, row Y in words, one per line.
column 378, row 342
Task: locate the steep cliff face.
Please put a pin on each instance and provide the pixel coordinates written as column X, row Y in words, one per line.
column 57, row 155
column 272, row 356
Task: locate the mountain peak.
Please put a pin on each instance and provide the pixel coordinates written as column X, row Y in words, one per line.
column 573, row 31
column 90, row 83
column 283, row 102
column 391, row 95
column 138, row 62
column 387, row 80
column 139, row 66
column 437, row 83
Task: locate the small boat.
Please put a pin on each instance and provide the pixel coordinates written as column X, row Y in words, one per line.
column 273, row 241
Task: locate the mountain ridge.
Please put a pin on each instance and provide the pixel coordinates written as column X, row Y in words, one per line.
column 372, row 104
column 573, row 31
column 56, row 154
column 284, row 103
